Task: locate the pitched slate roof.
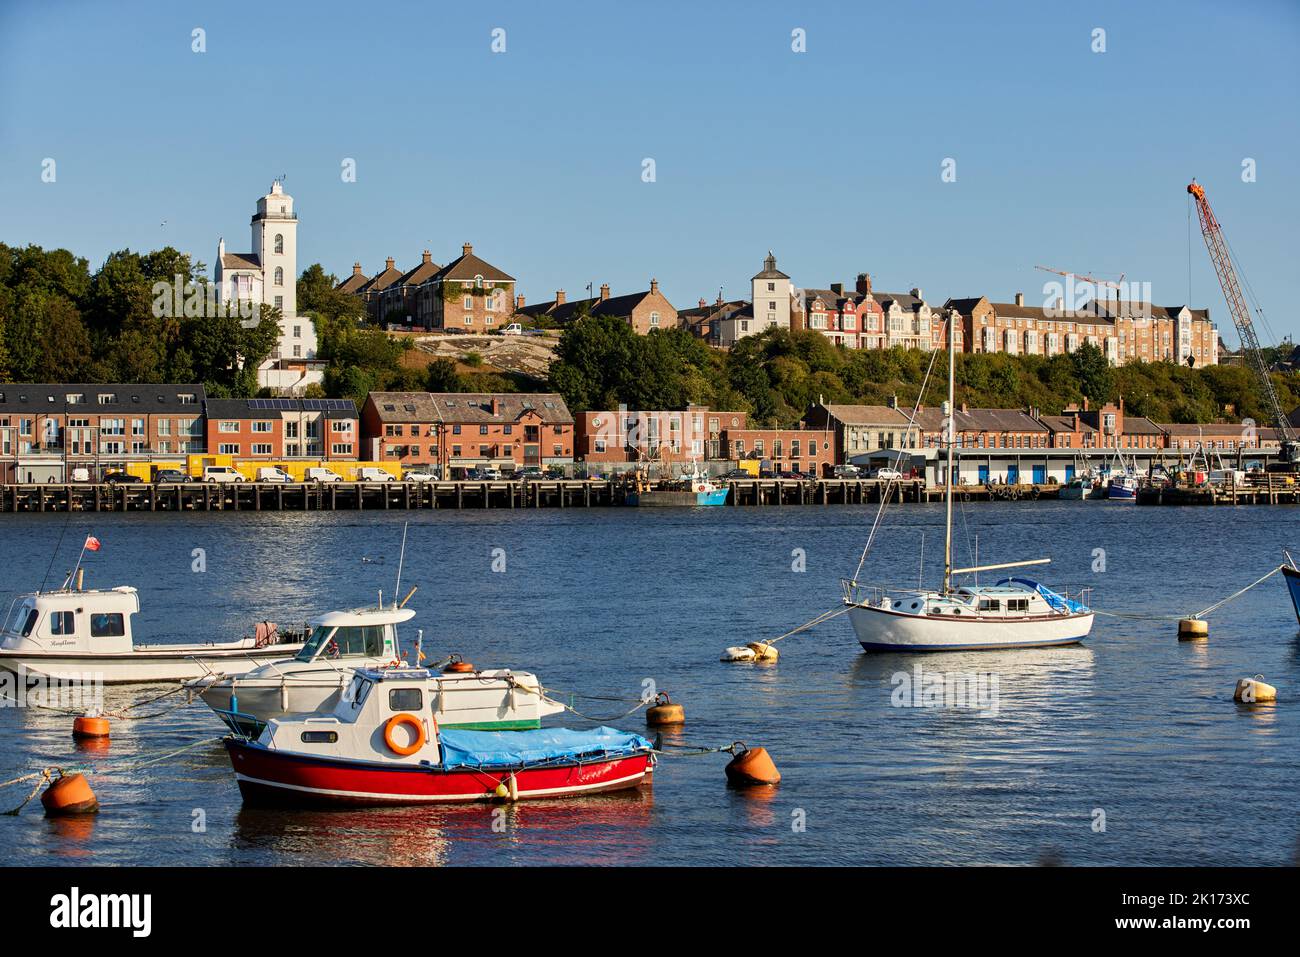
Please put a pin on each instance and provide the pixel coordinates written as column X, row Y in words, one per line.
column 241, row 261
column 867, row 415
column 138, row 397
column 472, row 408
column 273, row 408
column 469, row 267
column 354, row 282
column 382, row 280
column 1065, row 423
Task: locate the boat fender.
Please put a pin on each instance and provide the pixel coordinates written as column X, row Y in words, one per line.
column 69, row 794
column 1193, row 629
column 1254, row 691
column 664, row 712
column 751, row 766
column 763, row 651
column 90, row 726
column 397, row 721
column 738, row 653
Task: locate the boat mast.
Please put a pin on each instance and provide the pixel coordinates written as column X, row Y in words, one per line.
column 952, row 428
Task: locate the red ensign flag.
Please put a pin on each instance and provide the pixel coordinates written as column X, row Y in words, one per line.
column 92, row 543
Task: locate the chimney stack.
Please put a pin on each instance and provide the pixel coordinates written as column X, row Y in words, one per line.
column 720, row 299
column 604, row 291
column 1020, row 299
column 519, row 302
column 356, row 269
column 916, row 291
column 559, row 297
column 864, row 283
column 389, row 263
column 654, row 286
column 467, row 250
column 837, row 288
column 702, row 302
column 425, row 257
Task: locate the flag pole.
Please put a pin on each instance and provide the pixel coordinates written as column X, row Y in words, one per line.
column 80, row 556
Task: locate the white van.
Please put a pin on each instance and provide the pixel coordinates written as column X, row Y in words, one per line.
column 368, row 473
column 514, row 329
column 222, row 473
column 317, row 474
column 271, row 473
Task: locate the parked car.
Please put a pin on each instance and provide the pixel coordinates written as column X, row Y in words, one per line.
column 121, row 478
column 529, row 473
column 222, row 473
column 887, row 474
column 736, row 474
column 419, row 475
column 318, row 474
column 170, row 476
column 483, row 475
column 270, row 473
column 846, row 472
column 796, row 475
column 514, row 329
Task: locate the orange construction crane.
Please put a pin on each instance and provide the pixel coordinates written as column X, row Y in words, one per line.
column 1231, row 286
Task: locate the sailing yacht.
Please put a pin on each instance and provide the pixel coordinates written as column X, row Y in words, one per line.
column 1011, row 613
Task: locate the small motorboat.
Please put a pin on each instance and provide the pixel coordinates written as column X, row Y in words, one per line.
column 1122, row 488
column 343, row 641
column 382, row 745
column 76, row 635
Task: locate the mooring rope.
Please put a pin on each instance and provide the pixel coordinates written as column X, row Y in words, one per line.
column 1210, row 609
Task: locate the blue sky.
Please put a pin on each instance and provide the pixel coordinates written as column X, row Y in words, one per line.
column 831, row 158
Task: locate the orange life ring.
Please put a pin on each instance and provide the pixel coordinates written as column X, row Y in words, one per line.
column 400, row 719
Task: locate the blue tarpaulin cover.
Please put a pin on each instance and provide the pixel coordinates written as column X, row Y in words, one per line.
column 1057, row 602
column 479, row 749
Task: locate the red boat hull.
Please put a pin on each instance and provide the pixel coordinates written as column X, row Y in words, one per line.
column 266, row 776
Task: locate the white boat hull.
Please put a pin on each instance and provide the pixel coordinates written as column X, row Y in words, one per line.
column 880, row 629
column 483, row 701
column 158, row 663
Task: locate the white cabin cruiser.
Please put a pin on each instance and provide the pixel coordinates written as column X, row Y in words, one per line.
column 75, row 635
column 341, row 642
column 1013, row 613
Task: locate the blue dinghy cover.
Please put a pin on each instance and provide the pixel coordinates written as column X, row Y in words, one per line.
column 482, row 749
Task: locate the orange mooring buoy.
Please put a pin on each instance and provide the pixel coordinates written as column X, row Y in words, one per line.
column 86, row 726
column 664, row 712
column 457, row 666
column 752, row 766
column 69, row 794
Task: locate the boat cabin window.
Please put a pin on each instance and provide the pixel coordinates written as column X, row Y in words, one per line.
column 29, row 623
column 109, row 624
column 405, row 699
column 990, row 604
column 1017, row 604
column 357, row 692
column 62, row 623
column 319, row 737
column 337, row 642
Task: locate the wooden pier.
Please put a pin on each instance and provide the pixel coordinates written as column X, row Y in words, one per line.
column 554, row 493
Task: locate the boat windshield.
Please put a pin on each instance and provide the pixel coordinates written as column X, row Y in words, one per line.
column 329, row 641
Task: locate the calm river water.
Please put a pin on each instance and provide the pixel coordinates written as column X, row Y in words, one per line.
column 1132, row 730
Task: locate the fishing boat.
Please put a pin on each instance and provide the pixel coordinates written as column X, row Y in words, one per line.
column 85, row 635
column 1291, row 575
column 342, row 642
column 1077, row 489
column 691, row 490
column 1011, row 613
column 382, row 745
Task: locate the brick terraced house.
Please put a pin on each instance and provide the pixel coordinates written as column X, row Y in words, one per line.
column 274, row 429
column 49, row 429
column 457, row 431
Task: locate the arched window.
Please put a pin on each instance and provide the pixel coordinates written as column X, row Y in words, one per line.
column 279, row 243
column 279, row 276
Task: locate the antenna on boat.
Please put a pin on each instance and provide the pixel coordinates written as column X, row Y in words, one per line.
column 401, row 559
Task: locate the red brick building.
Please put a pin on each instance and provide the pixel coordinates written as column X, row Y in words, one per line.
column 799, row 449
column 274, row 429
column 623, row 436
column 457, row 431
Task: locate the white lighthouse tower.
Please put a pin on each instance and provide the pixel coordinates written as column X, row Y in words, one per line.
column 269, row 274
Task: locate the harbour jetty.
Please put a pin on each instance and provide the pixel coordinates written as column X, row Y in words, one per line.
column 562, row 493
